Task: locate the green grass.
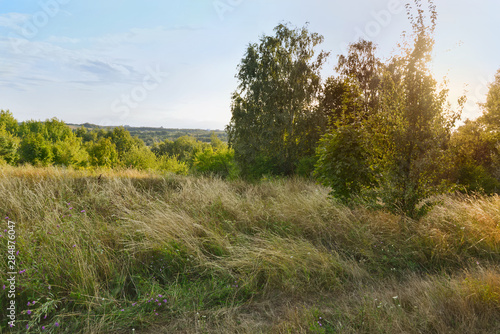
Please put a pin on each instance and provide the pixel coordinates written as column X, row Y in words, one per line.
column 277, row 256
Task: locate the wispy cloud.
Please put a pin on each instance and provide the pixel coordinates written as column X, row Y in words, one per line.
column 106, row 70
column 143, row 35
column 13, row 21
column 91, row 60
column 62, row 40
column 43, row 60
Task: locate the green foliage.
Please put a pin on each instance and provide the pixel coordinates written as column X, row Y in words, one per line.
column 122, row 139
column 305, row 166
column 413, row 125
column 273, row 121
column 32, row 127
column 184, row 148
column 66, row 146
column 162, row 149
column 9, row 145
column 70, row 152
column 491, row 108
column 393, row 125
column 172, row 165
column 216, row 162
column 349, row 101
column 216, row 143
column 103, row 153
column 85, row 135
column 140, row 158
column 475, row 158
column 362, row 70
column 35, row 149
column 56, row 130
column 54, row 135
column 341, row 100
column 343, row 162
column 150, row 136
column 8, row 120
column 54, row 143
column 477, row 178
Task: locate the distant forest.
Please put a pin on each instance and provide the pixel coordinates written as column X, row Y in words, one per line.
column 54, row 143
column 150, row 135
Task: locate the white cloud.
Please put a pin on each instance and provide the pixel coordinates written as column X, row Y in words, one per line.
column 143, row 35
column 13, row 21
column 62, row 40
column 33, row 59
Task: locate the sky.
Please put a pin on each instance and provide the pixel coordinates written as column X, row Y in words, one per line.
column 172, row 63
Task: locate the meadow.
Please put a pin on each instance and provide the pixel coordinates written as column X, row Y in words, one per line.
column 108, row 251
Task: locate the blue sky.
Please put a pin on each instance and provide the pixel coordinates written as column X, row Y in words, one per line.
column 172, row 63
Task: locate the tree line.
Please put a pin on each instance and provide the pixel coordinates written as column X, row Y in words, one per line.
column 381, row 132
column 150, row 136
column 52, row 142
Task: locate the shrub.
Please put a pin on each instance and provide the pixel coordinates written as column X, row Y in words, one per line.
column 140, row 157
column 215, row 162
column 173, row 165
column 103, row 153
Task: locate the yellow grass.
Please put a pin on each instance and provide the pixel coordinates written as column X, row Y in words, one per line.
column 235, row 257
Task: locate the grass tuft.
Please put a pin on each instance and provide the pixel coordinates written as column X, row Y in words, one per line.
column 107, row 251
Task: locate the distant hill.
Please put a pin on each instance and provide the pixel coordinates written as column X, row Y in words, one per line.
column 152, row 135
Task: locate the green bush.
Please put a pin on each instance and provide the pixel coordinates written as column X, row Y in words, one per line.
column 9, row 145
column 103, row 153
column 215, row 162
column 342, row 162
column 8, row 120
column 173, row 165
column 140, row 158
column 477, row 179
column 184, row 148
column 305, row 166
column 70, row 152
column 36, row 150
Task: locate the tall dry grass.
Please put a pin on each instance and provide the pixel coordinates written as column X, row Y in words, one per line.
column 231, row 256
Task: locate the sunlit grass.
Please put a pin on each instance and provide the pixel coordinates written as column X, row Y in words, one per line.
column 97, row 249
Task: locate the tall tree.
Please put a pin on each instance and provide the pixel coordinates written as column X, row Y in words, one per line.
column 273, row 120
column 342, row 101
column 349, row 101
column 491, row 116
column 401, row 143
column 362, row 67
column 413, row 126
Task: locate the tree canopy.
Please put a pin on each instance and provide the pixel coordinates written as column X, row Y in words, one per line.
column 274, row 120
column 398, row 143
